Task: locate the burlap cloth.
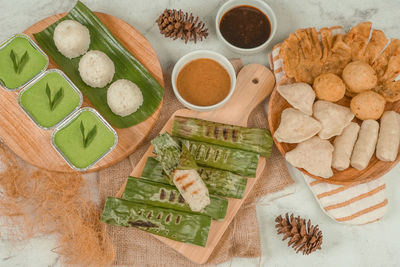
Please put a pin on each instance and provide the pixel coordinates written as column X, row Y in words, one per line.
column 134, row 247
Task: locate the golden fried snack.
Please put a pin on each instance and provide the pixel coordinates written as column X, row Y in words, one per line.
column 357, row 39
column 392, row 69
column 375, row 46
column 381, row 63
column 301, row 54
column 368, row 105
column 329, row 87
column 289, row 53
column 389, row 90
column 293, row 58
column 359, row 76
column 335, row 53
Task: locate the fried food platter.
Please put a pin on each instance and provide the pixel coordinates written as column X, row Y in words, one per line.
column 308, row 53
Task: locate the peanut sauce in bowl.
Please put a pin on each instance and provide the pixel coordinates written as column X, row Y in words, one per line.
column 203, row 80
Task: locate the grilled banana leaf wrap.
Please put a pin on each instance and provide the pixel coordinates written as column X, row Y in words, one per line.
column 219, row 182
column 178, row 163
column 168, row 196
column 255, row 140
column 172, row 155
column 229, row 159
column 181, row 226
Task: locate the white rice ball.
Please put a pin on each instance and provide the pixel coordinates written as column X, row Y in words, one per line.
column 72, row 39
column 124, row 97
column 96, row 69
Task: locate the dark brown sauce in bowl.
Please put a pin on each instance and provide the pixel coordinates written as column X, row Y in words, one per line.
column 245, row 27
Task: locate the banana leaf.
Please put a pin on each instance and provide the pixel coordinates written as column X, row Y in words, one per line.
column 219, row 182
column 177, row 225
column 250, row 139
column 126, row 67
column 167, row 196
column 229, row 159
column 172, row 155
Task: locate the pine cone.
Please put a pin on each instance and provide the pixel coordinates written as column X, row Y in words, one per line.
column 176, row 24
column 303, row 236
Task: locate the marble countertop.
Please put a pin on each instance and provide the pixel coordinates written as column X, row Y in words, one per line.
column 375, row 244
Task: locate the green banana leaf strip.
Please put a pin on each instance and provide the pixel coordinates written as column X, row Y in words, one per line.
column 250, row 139
column 219, row 182
column 172, row 155
column 177, row 225
column 168, row 196
column 126, row 67
column 229, row 159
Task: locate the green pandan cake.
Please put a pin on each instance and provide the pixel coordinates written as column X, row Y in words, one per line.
column 50, row 99
column 84, row 138
column 20, row 61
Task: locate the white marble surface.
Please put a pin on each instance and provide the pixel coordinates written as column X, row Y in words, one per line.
column 370, row 245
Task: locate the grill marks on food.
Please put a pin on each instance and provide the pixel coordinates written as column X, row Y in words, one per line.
column 203, row 152
column 182, row 177
column 168, row 218
column 216, row 132
column 141, row 223
column 192, row 189
column 178, row 219
column 221, row 133
column 162, row 194
column 149, row 215
column 171, row 196
column 181, row 199
column 185, row 186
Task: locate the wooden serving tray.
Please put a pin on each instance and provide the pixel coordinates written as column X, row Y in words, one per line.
column 254, row 83
column 33, row 144
column 375, row 168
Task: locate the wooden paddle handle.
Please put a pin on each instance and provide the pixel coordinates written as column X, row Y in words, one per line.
column 253, row 84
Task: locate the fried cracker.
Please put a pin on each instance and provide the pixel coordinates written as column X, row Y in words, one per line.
column 357, row 39
column 381, row 63
column 390, row 91
column 392, row 70
column 375, row 46
column 337, row 56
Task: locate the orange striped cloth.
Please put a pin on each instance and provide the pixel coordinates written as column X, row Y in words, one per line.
column 355, row 204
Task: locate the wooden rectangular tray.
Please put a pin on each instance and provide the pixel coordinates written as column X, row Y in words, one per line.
column 254, row 83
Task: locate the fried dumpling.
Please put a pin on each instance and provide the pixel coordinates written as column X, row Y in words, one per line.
column 314, row 155
column 333, row 118
column 295, row 126
column 300, row 95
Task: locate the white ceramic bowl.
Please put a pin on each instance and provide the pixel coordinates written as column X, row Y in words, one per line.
column 260, row 5
column 203, row 54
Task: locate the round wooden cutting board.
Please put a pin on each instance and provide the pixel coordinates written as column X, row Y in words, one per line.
column 33, row 144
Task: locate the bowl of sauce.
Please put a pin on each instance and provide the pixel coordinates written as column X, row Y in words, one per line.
column 246, row 26
column 203, row 80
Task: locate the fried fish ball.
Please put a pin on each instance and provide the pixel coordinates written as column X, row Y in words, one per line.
column 368, row 105
column 359, row 76
column 329, row 87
